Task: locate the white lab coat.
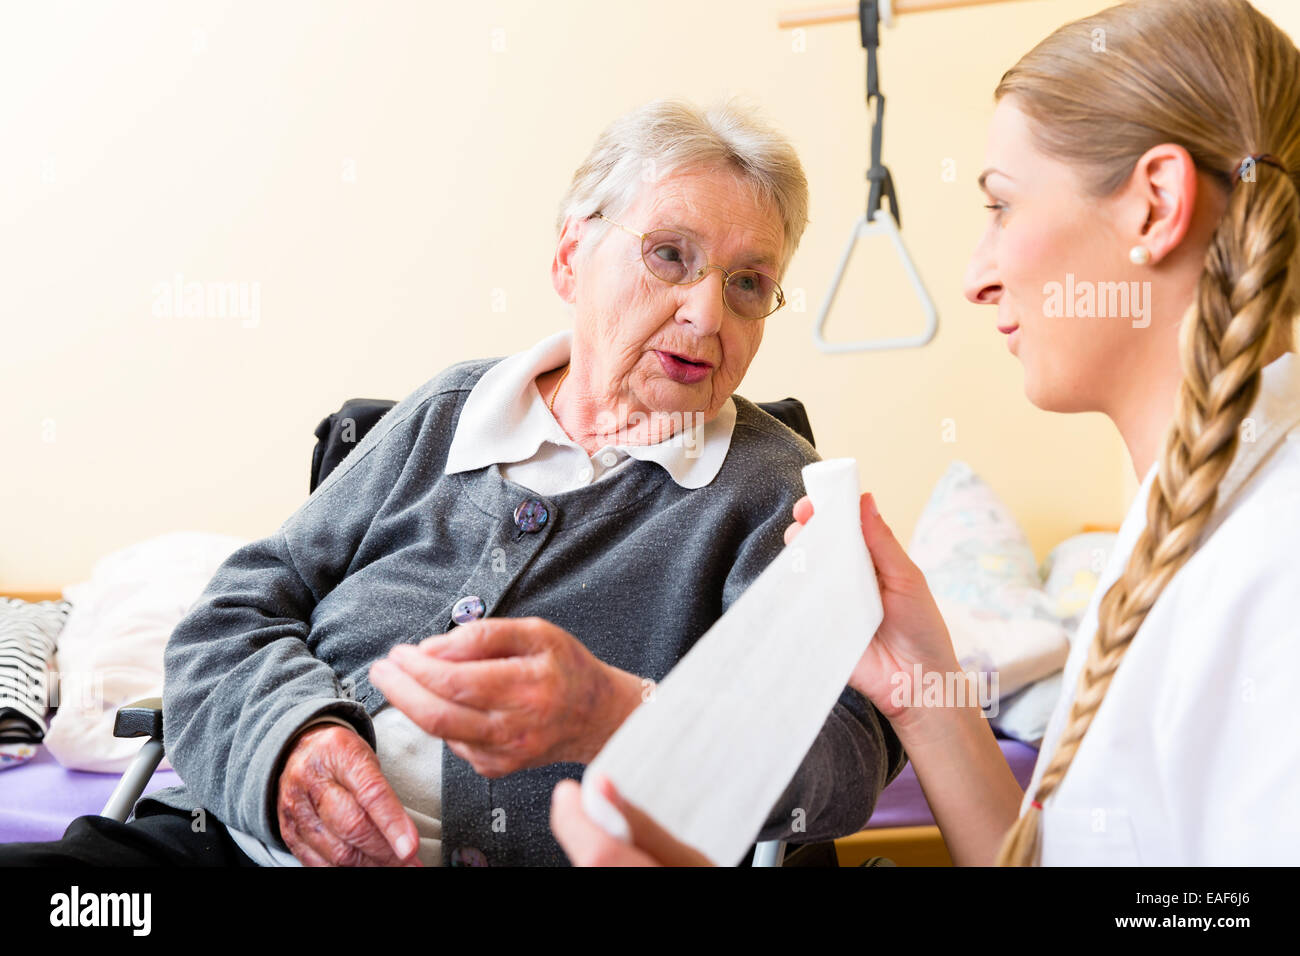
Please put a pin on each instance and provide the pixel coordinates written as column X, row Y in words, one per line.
column 1193, row 757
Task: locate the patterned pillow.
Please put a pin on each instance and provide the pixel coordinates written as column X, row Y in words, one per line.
column 1006, row 616
column 28, row 635
column 1070, row 574
column 984, row 577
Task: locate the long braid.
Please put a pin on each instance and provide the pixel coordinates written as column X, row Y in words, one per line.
column 1244, row 296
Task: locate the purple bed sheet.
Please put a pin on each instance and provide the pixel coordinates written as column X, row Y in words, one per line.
column 41, row 797
column 902, row 804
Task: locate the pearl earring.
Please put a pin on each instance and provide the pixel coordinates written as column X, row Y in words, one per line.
column 1139, row 255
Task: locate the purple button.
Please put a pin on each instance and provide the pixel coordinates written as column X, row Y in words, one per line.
column 468, row 608
column 468, row 856
column 531, row 515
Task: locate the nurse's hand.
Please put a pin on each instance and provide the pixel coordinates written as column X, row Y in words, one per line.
column 587, row 844
column 912, row 632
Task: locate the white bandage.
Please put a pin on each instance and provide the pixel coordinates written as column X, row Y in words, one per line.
column 711, row 752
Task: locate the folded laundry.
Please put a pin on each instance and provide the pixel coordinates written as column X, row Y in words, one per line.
column 28, row 636
column 711, row 751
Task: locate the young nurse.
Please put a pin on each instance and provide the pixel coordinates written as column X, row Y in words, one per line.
column 1171, row 158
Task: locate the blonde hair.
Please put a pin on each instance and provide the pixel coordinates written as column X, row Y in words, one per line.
column 1221, row 80
column 668, row 136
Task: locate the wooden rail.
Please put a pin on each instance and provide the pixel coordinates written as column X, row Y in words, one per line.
column 841, row 14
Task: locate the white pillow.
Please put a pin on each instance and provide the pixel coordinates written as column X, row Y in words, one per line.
column 111, row 649
column 1024, row 715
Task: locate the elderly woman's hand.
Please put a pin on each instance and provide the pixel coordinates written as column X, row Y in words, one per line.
column 588, row 845
column 509, row 693
column 336, row 808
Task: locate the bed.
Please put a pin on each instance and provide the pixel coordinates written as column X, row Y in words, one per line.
column 1007, row 615
column 40, row 798
column 902, row 829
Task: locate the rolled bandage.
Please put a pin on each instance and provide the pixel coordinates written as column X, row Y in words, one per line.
column 710, row 753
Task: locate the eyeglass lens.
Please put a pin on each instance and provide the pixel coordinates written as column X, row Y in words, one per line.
column 676, row 259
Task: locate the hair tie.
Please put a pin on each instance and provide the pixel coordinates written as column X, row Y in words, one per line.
column 1253, row 160
column 1036, row 805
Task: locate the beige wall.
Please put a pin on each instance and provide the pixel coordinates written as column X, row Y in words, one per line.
column 386, row 176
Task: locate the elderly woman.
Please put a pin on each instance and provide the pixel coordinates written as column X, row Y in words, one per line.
column 468, row 606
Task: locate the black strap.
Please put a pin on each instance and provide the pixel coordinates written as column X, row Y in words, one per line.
column 882, row 183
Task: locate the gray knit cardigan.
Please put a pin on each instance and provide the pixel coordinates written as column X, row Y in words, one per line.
column 634, row 566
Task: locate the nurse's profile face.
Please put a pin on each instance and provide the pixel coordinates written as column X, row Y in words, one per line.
column 1045, row 245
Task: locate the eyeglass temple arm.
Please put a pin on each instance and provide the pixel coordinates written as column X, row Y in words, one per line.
column 630, row 232
column 883, row 223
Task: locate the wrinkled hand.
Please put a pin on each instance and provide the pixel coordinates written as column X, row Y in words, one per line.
column 912, row 631
column 587, row 844
column 509, row 693
column 336, row 808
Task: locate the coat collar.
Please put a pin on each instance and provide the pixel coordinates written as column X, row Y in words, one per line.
column 1274, row 415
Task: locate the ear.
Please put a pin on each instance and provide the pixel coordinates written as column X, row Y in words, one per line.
column 564, row 275
column 1164, row 183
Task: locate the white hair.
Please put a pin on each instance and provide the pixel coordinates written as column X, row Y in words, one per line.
column 667, row 136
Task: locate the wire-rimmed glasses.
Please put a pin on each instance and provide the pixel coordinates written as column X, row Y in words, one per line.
column 747, row 293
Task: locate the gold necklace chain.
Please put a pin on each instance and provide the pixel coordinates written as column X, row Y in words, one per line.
column 551, row 404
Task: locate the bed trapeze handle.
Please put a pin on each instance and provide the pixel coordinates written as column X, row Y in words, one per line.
column 883, row 223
